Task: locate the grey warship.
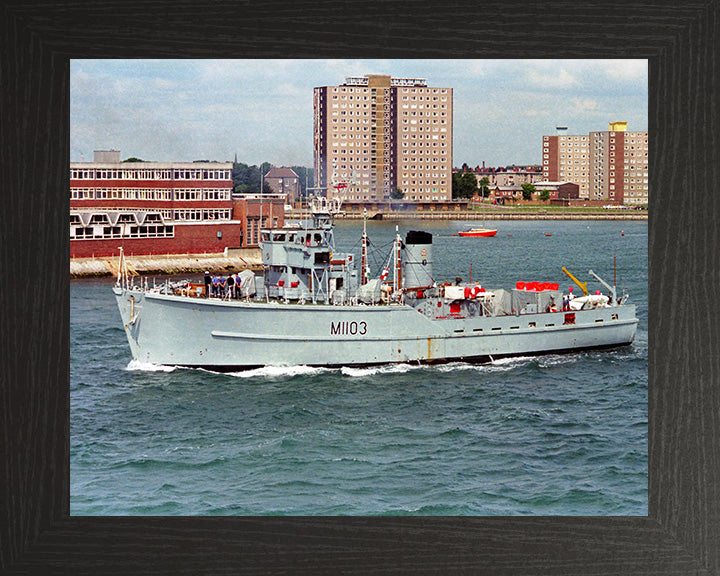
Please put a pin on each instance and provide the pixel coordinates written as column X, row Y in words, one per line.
column 312, row 306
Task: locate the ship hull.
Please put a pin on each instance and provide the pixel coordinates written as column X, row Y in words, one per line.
column 228, row 335
column 486, row 233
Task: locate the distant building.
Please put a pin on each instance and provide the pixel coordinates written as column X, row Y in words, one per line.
column 162, row 208
column 607, row 165
column 376, row 133
column 500, row 194
column 509, row 176
column 564, row 190
column 284, row 181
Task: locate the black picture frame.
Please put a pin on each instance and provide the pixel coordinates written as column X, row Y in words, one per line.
column 680, row 535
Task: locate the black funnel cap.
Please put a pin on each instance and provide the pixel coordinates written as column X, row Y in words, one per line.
column 418, row 237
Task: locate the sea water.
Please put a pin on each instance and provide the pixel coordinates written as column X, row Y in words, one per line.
column 550, row 435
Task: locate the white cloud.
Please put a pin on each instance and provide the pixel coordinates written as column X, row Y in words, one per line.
column 190, row 109
column 583, row 105
column 635, row 70
column 551, row 79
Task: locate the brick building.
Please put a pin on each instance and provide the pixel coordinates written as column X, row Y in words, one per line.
column 284, row 181
column 375, row 134
column 607, row 165
column 161, row 208
column 510, row 175
column 564, row 190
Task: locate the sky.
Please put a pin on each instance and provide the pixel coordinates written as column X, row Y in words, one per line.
column 262, row 110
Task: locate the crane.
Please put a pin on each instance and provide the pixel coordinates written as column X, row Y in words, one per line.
column 582, row 285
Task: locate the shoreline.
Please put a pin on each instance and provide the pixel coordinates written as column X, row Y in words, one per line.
column 542, row 214
column 242, row 258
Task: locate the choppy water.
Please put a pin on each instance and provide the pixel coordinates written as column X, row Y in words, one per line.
column 552, row 435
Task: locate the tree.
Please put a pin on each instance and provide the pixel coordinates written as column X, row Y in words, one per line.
column 456, row 185
column 484, row 186
column 527, row 191
column 469, row 184
column 246, row 179
column 464, row 184
column 545, row 195
column 133, row 159
column 397, row 194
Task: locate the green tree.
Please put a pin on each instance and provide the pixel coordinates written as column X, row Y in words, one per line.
column 397, row 194
column 133, row 159
column 527, row 191
column 246, row 179
column 545, row 195
column 469, row 184
column 464, row 185
column 484, row 186
column 455, row 182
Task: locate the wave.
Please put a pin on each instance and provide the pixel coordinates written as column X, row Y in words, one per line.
column 148, row 367
column 511, row 361
column 384, row 369
column 559, row 360
column 280, row 371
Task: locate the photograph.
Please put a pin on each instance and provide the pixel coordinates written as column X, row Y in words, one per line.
column 359, row 287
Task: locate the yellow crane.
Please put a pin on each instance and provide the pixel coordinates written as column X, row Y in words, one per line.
column 582, row 285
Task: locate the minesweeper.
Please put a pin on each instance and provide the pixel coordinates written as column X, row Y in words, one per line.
column 310, row 306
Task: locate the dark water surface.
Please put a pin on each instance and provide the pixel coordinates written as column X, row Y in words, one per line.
column 552, row 435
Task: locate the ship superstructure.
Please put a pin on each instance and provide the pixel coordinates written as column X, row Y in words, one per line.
column 313, row 306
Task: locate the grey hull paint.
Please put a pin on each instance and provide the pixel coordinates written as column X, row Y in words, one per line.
column 184, row 331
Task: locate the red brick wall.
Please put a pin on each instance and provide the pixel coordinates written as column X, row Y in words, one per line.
column 568, row 190
column 553, row 160
column 189, row 239
column 244, row 208
column 150, row 184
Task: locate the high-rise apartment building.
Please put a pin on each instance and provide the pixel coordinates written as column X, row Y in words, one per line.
column 607, row 165
column 376, row 134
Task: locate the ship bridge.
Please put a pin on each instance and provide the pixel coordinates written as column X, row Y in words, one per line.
column 301, row 264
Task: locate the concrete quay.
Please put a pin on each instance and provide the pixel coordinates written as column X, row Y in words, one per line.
column 232, row 261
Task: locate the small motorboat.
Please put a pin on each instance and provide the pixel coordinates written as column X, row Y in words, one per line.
column 478, row 232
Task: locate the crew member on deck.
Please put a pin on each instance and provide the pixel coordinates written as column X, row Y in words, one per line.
column 208, row 281
column 230, row 286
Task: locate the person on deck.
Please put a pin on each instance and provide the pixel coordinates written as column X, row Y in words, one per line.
column 208, row 281
column 230, row 286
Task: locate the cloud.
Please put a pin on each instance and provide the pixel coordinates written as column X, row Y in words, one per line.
column 175, row 110
column 581, row 106
column 553, row 79
column 626, row 70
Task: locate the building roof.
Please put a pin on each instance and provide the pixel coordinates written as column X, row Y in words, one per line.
column 281, row 173
column 549, row 184
column 150, row 164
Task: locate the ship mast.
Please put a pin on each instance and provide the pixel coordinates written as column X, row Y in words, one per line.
column 397, row 268
column 363, row 257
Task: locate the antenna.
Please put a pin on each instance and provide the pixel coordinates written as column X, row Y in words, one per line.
column 262, row 185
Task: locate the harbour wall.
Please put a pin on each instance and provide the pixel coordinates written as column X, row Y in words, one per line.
column 232, row 261
column 479, row 215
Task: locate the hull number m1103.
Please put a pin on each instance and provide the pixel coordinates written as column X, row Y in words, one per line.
column 348, row 328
